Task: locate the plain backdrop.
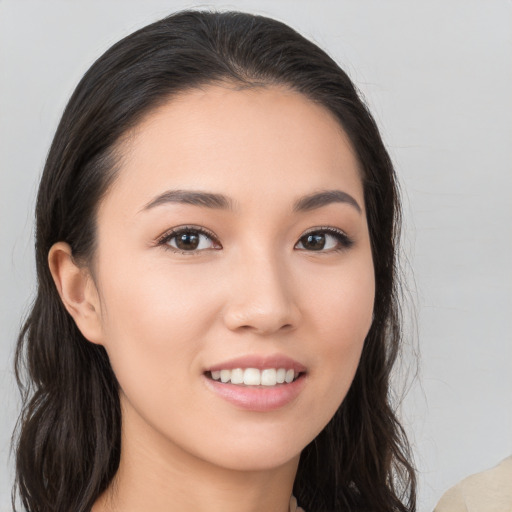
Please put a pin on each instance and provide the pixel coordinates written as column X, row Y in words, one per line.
column 437, row 75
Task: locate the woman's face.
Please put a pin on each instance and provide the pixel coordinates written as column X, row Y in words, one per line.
column 260, row 274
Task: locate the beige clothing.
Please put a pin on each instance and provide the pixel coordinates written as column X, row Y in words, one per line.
column 489, row 491
column 293, row 505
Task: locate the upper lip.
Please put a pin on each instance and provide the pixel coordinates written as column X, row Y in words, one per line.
column 260, row 362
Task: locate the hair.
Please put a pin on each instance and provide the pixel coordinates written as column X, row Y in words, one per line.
column 67, row 440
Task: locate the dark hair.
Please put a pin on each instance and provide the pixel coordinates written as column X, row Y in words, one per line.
column 68, row 436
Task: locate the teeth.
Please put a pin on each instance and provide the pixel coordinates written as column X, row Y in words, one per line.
column 269, row 377
column 255, row 377
column 237, row 376
column 252, row 377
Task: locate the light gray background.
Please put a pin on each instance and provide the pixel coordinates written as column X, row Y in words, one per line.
column 438, row 78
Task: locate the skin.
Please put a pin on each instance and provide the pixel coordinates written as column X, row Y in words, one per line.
column 164, row 317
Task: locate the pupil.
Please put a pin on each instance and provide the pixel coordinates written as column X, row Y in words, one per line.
column 187, row 241
column 316, row 242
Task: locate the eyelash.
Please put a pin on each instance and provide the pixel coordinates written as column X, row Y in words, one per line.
column 169, row 235
column 344, row 240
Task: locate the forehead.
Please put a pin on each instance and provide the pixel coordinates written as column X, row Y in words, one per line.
column 270, row 141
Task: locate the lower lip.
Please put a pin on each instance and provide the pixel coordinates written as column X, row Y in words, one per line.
column 261, row 398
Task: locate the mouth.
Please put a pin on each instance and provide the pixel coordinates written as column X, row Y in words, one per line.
column 260, row 385
column 254, row 377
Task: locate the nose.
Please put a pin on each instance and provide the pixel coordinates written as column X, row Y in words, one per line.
column 261, row 297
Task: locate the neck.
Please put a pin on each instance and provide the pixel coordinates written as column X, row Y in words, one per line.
column 155, row 474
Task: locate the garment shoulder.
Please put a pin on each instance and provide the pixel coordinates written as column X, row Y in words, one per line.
column 488, row 491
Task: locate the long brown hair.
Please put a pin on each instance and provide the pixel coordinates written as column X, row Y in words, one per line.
column 68, row 437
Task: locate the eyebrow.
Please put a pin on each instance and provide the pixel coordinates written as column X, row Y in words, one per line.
column 323, row 198
column 203, row 199
column 221, row 202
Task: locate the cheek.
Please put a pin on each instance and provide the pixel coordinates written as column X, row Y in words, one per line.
column 343, row 317
column 153, row 297
column 153, row 320
column 154, row 332
column 343, row 306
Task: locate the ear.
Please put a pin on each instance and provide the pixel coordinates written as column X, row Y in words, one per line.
column 77, row 291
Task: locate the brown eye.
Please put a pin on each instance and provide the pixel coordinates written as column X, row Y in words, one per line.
column 326, row 240
column 188, row 240
column 314, row 242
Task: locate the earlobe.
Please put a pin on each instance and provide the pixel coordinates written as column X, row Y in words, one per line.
column 77, row 291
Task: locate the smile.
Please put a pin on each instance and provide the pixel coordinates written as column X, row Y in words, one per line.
column 254, row 376
column 263, row 393
column 260, row 383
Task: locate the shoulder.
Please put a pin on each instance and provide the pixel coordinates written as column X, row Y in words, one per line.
column 488, row 491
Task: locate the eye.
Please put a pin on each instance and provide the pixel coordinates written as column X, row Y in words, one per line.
column 325, row 239
column 188, row 240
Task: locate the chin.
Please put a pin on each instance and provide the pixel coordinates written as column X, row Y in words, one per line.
column 249, row 460
column 265, row 453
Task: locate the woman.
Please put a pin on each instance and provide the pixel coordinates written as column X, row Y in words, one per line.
column 216, row 317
